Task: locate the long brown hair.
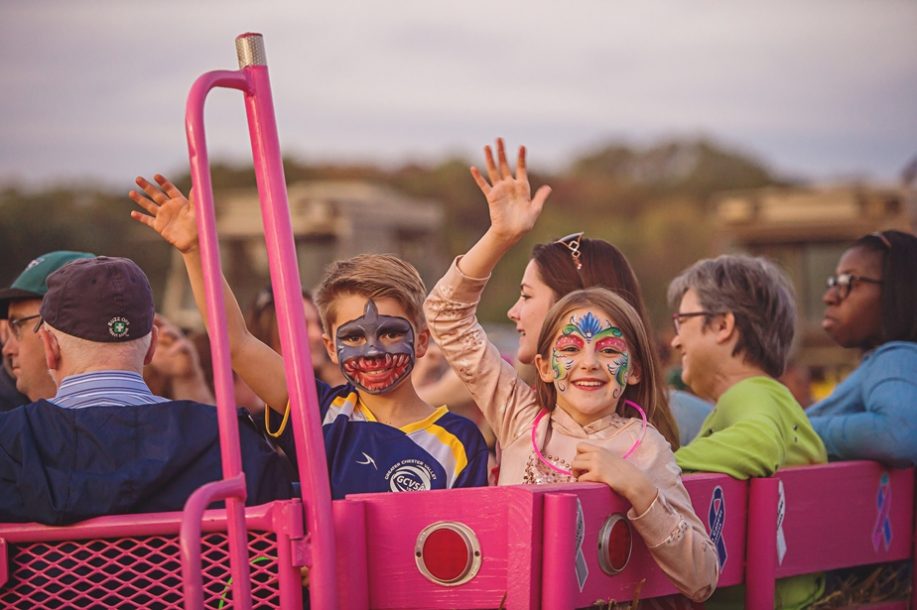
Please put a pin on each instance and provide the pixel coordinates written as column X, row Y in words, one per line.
column 646, row 391
column 602, row 264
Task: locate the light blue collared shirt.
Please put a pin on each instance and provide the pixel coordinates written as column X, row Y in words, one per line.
column 104, row 389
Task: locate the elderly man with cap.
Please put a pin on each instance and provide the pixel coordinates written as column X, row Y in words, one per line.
column 104, row 443
column 23, row 354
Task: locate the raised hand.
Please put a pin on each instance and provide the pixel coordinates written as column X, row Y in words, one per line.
column 169, row 213
column 513, row 210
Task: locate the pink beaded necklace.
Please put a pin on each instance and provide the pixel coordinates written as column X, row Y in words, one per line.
column 566, row 472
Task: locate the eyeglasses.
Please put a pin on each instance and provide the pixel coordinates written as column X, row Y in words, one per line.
column 572, row 243
column 15, row 325
column 843, row 283
column 677, row 317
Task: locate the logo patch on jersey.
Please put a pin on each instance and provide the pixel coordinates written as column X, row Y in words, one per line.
column 410, row 475
column 369, row 460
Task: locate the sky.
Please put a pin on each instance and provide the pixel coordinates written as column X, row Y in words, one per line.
column 824, row 90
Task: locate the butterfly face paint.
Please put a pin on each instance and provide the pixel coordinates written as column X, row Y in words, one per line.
column 375, row 352
column 590, row 361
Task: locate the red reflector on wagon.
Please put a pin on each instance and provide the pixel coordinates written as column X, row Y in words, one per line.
column 615, row 543
column 448, row 553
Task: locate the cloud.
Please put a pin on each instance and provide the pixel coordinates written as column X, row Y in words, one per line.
column 818, row 88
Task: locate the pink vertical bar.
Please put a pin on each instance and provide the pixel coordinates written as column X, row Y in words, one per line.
column 761, row 545
column 4, row 564
column 281, row 249
column 219, row 341
column 350, row 533
column 290, row 579
column 558, row 587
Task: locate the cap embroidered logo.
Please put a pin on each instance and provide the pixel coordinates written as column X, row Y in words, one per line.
column 118, row 327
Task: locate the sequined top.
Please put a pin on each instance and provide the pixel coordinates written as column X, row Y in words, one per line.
column 672, row 531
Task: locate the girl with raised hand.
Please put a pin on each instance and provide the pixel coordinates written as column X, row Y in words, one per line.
column 597, row 379
column 572, row 263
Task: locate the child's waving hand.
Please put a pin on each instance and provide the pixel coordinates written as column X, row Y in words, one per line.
column 513, row 210
column 169, row 213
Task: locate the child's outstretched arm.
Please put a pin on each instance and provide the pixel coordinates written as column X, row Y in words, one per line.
column 661, row 510
column 171, row 215
column 513, row 210
column 509, row 405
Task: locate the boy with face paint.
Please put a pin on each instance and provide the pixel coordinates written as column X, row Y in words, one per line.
column 379, row 435
column 375, row 352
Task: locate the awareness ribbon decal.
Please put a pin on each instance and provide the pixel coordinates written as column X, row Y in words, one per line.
column 882, row 531
column 716, row 520
column 781, row 513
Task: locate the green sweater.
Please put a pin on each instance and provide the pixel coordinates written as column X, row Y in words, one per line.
column 756, row 428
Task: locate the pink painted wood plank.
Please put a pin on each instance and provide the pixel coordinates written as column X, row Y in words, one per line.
column 500, row 517
column 845, row 514
column 761, row 543
column 508, row 523
column 702, row 488
column 599, row 502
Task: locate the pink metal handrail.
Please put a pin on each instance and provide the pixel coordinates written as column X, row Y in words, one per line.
column 191, row 540
column 252, row 79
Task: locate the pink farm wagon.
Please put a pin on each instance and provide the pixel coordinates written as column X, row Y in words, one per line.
column 556, row 546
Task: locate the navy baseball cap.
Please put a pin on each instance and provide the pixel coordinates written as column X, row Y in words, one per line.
column 32, row 283
column 102, row 299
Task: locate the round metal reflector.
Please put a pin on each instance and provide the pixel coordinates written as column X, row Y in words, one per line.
column 615, row 542
column 448, row 553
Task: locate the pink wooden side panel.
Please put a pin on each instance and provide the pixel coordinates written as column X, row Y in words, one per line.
column 725, row 496
column 734, row 509
column 845, row 514
column 502, row 518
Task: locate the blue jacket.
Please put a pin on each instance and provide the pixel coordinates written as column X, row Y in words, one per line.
column 62, row 465
column 872, row 415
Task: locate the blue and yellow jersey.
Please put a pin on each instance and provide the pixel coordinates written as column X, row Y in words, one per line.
column 441, row 451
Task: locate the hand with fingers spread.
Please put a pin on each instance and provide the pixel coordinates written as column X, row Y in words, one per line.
column 169, row 213
column 593, row 463
column 513, row 210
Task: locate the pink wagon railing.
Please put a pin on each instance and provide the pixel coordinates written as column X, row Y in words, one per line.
column 252, row 79
column 560, row 546
column 86, row 548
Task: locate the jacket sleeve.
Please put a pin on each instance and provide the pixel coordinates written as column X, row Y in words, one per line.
column 884, row 428
column 508, row 404
column 671, row 529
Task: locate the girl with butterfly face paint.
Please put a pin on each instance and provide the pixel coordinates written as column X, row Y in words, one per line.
column 597, row 376
column 584, row 421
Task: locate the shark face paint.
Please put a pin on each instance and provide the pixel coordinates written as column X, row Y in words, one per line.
column 375, row 352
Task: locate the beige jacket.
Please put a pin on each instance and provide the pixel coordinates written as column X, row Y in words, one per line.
column 669, row 527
